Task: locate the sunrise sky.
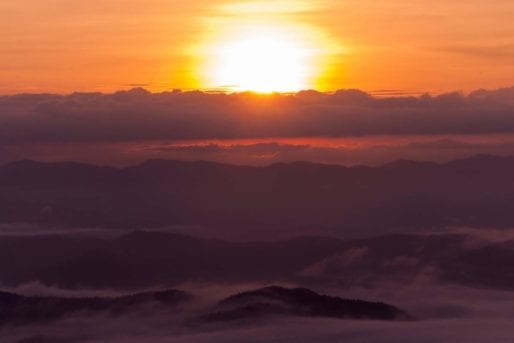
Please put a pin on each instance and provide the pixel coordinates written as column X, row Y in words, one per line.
column 106, row 45
column 257, row 170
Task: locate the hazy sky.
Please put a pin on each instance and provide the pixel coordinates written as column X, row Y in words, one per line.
column 416, row 45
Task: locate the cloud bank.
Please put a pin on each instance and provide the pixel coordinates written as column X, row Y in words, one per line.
column 139, row 115
column 346, row 127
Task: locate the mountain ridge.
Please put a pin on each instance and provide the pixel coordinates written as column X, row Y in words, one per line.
column 279, row 200
column 157, row 161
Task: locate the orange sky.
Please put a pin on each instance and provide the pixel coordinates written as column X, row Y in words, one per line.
column 104, row 45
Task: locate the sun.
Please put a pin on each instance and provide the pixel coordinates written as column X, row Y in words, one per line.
column 236, row 55
column 264, row 60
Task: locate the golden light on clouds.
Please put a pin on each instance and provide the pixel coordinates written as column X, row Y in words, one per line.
column 261, row 46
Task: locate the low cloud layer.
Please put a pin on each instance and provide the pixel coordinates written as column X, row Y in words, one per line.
column 140, row 115
column 445, row 314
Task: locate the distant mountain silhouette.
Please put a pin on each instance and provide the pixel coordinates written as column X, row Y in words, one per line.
column 145, row 259
column 253, row 201
column 279, row 301
column 18, row 309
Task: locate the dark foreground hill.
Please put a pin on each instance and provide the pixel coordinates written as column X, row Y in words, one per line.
column 279, row 301
column 248, row 201
column 18, row 309
column 261, row 303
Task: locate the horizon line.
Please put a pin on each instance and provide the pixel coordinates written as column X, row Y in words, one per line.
column 376, row 93
column 306, row 162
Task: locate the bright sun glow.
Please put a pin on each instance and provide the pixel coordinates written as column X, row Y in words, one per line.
column 262, row 61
